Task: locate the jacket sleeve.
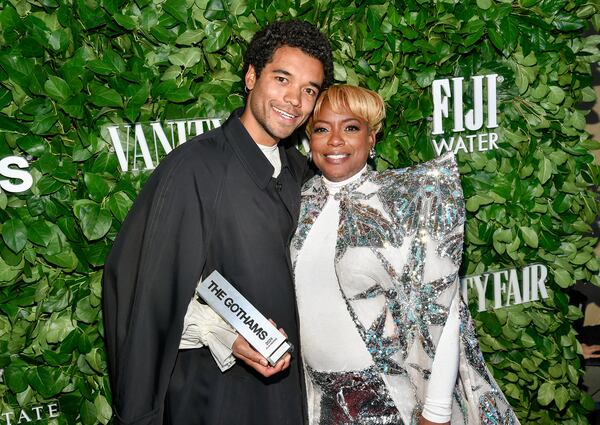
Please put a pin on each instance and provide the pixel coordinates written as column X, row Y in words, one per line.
column 149, row 278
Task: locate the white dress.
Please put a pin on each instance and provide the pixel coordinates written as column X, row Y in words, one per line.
column 376, row 262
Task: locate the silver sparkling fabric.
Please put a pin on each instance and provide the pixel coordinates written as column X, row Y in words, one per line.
column 359, row 397
column 420, row 208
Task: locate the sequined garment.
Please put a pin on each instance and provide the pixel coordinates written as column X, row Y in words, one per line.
column 398, row 249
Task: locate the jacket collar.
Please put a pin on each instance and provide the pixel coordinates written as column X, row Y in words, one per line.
column 257, row 165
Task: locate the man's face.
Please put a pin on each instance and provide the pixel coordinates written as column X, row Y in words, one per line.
column 283, row 97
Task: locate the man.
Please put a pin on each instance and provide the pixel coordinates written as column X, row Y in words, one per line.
column 213, row 204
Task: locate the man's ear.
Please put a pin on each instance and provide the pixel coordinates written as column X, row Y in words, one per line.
column 250, row 78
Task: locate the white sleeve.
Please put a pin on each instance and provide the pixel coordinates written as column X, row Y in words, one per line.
column 438, row 400
column 203, row 327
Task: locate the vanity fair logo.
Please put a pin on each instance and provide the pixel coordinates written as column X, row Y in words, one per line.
column 14, row 176
column 470, row 130
column 141, row 146
column 507, row 287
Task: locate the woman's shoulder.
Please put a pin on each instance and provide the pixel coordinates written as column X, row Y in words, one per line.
column 442, row 166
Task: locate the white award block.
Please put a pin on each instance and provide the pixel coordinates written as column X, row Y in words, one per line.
column 223, row 298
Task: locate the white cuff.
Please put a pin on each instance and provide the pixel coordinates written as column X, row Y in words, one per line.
column 203, row 327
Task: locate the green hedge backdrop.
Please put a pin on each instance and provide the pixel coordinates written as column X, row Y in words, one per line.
column 69, row 68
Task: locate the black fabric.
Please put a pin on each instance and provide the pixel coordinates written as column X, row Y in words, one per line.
column 210, row 204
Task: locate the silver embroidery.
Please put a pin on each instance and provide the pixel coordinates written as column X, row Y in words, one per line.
column 355, row 398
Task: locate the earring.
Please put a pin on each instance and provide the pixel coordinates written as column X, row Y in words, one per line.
column 372, row 153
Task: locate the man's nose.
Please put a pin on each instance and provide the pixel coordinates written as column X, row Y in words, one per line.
column 293, row 97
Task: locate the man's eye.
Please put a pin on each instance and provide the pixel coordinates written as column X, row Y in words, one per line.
column 311, row 92
column 281, row 79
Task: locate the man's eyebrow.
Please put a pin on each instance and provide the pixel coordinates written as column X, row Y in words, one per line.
column 289, row 74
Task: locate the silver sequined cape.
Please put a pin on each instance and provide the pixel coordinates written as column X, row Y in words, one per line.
column 418, row 211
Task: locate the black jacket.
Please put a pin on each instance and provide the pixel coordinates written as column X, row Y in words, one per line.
column 210, row 204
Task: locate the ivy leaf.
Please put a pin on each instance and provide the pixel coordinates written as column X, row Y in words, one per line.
column 97, row 185
column 119, row 204
column 545, row 170
column 215, row 10
column 529, row 236
column 186, row 57
column 190, row 37
column 39, row 232
column 217, row 34
column 93, row 219
column 563, row 278
column 57, row 88
column 14, row 234
column 545, row 393
column 176, row 8
column 104, row 96
column 16, row 378
column 88, row 413
column 48, row 381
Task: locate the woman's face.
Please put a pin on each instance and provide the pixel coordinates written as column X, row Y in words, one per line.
column 340, row 143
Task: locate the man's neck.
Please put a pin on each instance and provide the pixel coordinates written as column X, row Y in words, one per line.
column 256, row 131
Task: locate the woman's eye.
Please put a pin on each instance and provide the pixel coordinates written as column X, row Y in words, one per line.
column 352, row 128
column 319, row 130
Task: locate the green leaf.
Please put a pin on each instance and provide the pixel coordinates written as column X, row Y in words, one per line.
column 39, row 232
column 14, row 234
column 215, row 10
column 217, row 34
column 33, row 145
column 176, row 8
column 47, row 381
column 97, row 186
column 545, row 170
column 104, row 96
column 126, row 22
column 103, row 409
column 186, row 57
column 16, row 379
column 556, row 95
column 545, row 394
column 57, row 88
column 563, row 278
column 484, row 4
column 119, row 204
column 561, row 397
column 190, row 37
column 89, row 415
column 94, row 220
column 529, row 236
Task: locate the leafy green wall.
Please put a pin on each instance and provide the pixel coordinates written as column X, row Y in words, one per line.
column 70, row 67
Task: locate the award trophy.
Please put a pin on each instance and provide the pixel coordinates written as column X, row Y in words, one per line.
column 223, row 298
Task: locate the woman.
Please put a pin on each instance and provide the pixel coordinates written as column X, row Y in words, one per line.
column 376, row 258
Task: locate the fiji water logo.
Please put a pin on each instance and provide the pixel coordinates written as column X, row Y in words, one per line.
column 460, row 130
column 141, row 146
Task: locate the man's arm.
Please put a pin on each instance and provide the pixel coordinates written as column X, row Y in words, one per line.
column 149, row 279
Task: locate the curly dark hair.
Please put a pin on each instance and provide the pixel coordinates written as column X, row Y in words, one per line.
column 293, row 33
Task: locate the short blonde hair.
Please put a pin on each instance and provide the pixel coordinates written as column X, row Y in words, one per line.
column 363, row 103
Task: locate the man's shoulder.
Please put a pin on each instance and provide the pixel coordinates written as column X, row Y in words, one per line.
column 203, row 149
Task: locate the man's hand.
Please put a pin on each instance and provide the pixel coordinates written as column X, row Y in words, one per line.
column 243, row 351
